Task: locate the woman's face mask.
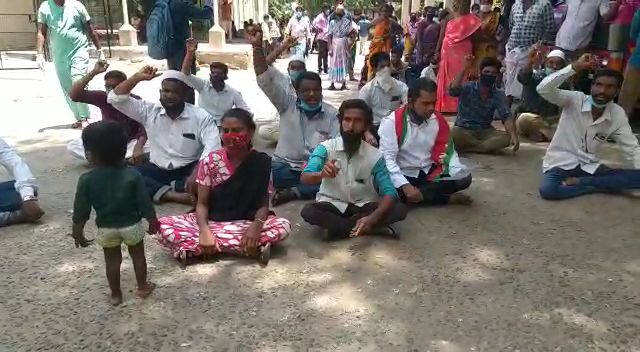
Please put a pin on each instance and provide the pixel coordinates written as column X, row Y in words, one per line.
column 485, row 8
column 298, row 14
column 237, row 141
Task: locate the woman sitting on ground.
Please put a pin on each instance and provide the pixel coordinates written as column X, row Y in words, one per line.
column 232, row 213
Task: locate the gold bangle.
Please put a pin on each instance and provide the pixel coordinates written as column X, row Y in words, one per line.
column 260, row 220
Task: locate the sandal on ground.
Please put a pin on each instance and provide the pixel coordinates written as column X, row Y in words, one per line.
column 265, row 254
column 283, row 196
column 332, row 87
column 344, row 87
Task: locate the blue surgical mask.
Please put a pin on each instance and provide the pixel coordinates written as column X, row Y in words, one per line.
column 548, row 71
column 308, row 108
column 595, row 104
column 294, row 75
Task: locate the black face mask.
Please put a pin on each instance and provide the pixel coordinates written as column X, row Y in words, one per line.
column 488, row 80
column 351, row 141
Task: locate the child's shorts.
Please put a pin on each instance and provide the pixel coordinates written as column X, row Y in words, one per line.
column 131, row 235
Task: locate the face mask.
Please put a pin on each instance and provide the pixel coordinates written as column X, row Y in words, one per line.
column 384, row 78
column 108, row 90
column 326, row 13
column 236, row 140
column 308, row 108
column 548, row 71
column 488, row 80
column 595, row 104
column 485, row 8
column 294, row 75
column 298, row 14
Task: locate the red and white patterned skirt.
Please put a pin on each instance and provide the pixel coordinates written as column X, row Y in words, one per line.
column 180, row 234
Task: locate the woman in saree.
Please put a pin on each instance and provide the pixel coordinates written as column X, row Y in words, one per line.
column 485, row 42
column 381, row 28
column 232, row 212
column 455, row 43
column 340, row 38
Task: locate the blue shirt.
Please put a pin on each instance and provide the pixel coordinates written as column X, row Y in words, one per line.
column 182, row 11
column 635, row 35
column 364, row 26
column 477, row 113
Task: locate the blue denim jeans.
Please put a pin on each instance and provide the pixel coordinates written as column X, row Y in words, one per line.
column 160, row 181
column 10, row 199
column 604, row 180
column 284, row 177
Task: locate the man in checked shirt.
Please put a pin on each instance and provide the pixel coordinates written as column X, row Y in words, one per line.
column 531, row 21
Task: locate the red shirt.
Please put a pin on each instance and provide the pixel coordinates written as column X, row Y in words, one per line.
column 98, row 98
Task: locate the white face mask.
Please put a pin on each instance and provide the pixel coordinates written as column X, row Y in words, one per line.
column 385, row 80
column 485, row 8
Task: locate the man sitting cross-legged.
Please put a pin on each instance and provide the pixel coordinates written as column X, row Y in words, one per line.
column 539, row 118
column 137, row 147
column 305, row 122
column 571, row 167
column 179, row 133
column 419, row 152
column 18, row 198
column 478, row 103
column 356, row 195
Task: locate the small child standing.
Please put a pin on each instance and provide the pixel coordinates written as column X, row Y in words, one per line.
column 117, row 193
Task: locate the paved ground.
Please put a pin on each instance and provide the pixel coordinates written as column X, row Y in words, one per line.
column 510, row 273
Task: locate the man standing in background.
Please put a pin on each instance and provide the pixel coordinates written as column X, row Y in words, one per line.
column 299, row 28
column 67, row 26
column 320, row 26
column 226, row 17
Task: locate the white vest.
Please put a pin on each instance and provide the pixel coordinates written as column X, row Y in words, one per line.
column 354, row 183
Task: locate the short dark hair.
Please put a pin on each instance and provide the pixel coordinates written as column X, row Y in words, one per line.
column 378, row 57
column 308, row 75
column 396, row 51
column 356, row 104
column 607, row 72
column 387, row 7
column 299, row 7
column 419, row 85
column 326, row 7
column 107, row 142
column 490, row 62
column 220, row 66
column 115, row 74
column 475, row 6
column 241, row 114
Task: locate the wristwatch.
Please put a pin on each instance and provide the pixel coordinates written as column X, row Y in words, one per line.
column 29, row 198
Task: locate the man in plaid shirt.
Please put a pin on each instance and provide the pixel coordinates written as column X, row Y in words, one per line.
column 531, row 21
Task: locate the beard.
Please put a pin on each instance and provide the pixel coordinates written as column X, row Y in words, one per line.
column 176, row 108
column 351, row 141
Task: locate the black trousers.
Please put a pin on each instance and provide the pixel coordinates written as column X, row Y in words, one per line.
column 436, row 193
column 323, row 56
column 326, row 215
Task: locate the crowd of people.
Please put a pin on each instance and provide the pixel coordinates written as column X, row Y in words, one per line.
column 360, row 167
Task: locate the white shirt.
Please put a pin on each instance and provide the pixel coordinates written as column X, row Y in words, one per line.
column 299, row 28
column 172, row 143
column 578, row 137
column 216, row 103
column 25, row 182
column 415, row 153
column 383, row 103
column 577, row 28
column 299, row 133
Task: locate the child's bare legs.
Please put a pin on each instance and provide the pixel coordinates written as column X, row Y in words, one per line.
column 113, row 259
column 140, row 268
